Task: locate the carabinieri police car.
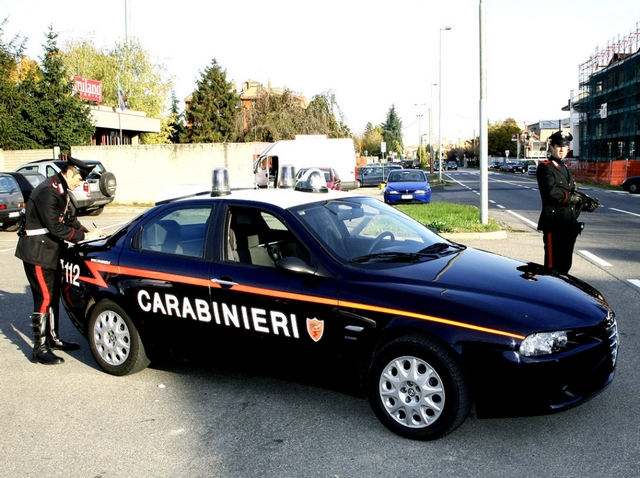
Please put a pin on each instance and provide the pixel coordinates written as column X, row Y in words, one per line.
column 336, row 280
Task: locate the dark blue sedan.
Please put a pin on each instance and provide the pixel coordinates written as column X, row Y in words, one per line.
column 340, row 288
column 407, row 186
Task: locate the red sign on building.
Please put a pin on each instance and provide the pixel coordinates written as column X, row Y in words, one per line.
column 88, row 89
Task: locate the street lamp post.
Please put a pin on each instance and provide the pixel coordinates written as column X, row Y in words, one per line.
column 440, row 102
column 419, row 116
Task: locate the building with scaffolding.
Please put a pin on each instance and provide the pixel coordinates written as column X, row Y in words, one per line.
column 608, row 106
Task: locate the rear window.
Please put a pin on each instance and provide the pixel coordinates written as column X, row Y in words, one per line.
column 8, row 184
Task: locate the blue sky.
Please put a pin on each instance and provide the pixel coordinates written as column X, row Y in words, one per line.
column 370, row 53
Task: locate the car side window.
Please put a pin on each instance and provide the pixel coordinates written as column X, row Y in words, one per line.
column 258, row 238
column 51, row 171
column 180, row 232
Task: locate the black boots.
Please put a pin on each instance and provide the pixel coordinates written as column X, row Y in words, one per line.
column 53, row 340
column 41, row 351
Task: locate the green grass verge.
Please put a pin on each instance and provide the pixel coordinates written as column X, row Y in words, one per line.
column 448, row 217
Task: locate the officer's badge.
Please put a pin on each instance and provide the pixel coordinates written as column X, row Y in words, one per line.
column 315, row 328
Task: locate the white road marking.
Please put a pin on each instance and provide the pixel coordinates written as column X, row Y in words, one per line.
column 523, row 219
column 595, row 258
column 635, row 282
column 625, row 212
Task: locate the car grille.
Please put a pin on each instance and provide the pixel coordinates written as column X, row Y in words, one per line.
column 611, row 326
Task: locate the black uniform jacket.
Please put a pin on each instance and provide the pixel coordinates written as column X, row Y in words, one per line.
column 555, row 183
column 48, row 208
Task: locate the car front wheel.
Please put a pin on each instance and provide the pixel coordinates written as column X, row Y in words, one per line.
column 633, row 188
column 418, row 389
column 114, row 340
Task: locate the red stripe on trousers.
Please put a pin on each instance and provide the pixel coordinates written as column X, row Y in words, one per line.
column 46, row 298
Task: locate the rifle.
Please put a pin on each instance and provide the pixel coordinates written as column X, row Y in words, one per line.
column 582, row 200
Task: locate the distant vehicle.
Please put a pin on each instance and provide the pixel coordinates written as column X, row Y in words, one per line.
column 512, row 167
column 375, row 173
column 92, row 196
column 306, row 152
column 495, row 164
column 632, row 184
column 407, row 186
column 330, row 176
column 530, row 167
column 452, row 165
column 15, row 190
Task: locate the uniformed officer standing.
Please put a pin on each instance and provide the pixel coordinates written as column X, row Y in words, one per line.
column 561, row 205
column 50, row 221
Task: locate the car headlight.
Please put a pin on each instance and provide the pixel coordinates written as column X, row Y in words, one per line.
column 420, row 191
column 543, row 343
column 391, row 191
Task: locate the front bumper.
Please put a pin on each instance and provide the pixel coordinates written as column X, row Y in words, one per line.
column 508, row 384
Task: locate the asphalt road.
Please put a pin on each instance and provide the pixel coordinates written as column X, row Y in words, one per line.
column 192, row 420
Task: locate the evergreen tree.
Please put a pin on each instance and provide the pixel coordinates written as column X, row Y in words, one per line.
column 213, row 108
column 176, row 120
column 58, row 117
column 392, row 131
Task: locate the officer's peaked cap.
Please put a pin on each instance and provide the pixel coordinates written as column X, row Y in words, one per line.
column 82, row 167
column 561, row 138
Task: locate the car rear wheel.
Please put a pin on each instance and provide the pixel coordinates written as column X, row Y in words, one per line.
column 97, row 212
column 114, row 340
column 633, row 188
column 418, row 389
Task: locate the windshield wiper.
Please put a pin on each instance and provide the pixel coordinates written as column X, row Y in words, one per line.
column 389, row 257
column 433, row 252
column 440, row 247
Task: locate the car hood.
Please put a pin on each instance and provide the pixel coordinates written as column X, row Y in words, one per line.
column 489, row 290
column 408, row 185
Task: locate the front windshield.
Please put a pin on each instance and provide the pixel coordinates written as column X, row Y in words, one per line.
column 356, row 228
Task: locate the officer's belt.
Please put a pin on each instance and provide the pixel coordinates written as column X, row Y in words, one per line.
column 36, row 232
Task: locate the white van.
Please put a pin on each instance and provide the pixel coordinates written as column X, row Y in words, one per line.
column 307, row 152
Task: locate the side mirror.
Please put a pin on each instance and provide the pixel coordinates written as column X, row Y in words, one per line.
column 296, row 265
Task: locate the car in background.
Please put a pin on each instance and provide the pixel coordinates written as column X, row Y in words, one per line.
column 15, row 190
column 375, row 173
column 318, row 283
column 513, row 167
column 452, row 165
column 495, row 164
column 407, row 186
column 531, row 167
column 98, row 190
column 631, row 184
column 330, row 176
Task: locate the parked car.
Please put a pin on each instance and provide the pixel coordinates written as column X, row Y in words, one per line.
column 512, row 167
column 452, row 165
column 530, row 167
column 330, row 177
column 338, row 284
column 495, row 164
column 93, row 195
column 407, row 186
column 375, row 173
column 15, row 190
column 632, row 184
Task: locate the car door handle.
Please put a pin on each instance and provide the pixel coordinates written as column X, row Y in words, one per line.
column 225, row 282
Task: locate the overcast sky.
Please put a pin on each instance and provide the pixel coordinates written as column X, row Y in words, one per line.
column 370, row 53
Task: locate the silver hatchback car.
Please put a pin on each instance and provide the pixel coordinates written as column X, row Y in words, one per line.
column 93, row 195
